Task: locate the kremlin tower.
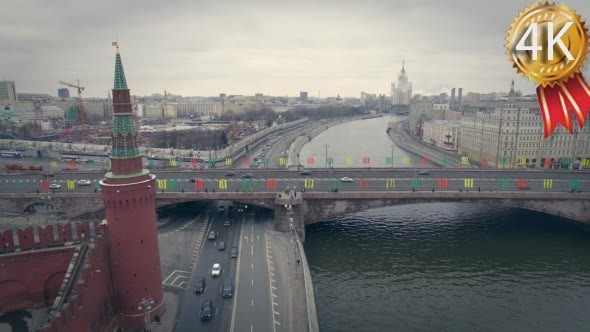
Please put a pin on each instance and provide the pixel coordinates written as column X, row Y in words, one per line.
column 128, row 192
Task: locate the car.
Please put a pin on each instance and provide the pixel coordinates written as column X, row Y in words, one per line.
column 206, row 312
column 227, row 223
column 227, row 288
column 221, row 246
column 199, row 285
column 247, row 176
column 424, row 172
column 305, row 172
column 84, row 182
column 212, row 235
column 346, row 179
column 216, row 270
column 193, row 180
column 49, row 175
column 221, row 208
column 234, row 252
column 230, row 173
column 54, row 186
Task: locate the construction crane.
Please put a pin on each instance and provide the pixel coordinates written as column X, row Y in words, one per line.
column 81, row 115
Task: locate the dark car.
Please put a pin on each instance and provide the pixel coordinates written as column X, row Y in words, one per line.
column 49, row 175
column 221, row 245
column 199, row 285
column 305, row 172
column 226, row 223
column 424, row 172
column 212, row 235
column 230, row 173
column 193, row 180
column 247, row 176
column 206, row 310
column 227, row 288
column 234, row 252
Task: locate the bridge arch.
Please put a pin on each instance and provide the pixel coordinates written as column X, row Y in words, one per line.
column 52, row 286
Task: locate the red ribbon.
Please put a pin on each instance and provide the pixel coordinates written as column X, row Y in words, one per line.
column 557, row 101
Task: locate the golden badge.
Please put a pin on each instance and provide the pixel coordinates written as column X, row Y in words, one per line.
column 549, row 43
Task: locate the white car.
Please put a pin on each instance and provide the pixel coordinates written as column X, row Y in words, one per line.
column 54, row 186
column 84, row 182
column 216, row 270
column 346, row 179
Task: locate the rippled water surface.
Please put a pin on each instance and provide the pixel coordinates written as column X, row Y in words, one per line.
column 450, row 267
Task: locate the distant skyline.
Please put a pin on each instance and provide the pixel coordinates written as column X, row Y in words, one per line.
column 203, row 48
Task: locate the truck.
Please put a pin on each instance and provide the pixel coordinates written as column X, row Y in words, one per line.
column 17, row 167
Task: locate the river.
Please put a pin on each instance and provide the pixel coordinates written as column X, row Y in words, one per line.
column 442, row 267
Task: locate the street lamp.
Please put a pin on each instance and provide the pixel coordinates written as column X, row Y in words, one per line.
column 146, row 305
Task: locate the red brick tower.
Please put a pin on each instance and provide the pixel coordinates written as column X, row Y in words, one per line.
column 128, row 192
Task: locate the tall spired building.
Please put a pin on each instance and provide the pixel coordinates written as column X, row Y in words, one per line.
column 402, row 94
column 129, row 196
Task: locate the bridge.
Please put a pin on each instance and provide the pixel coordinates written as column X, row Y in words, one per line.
column 322, row 194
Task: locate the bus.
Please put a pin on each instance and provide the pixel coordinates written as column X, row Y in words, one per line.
column 69, row 158
column 11, row 155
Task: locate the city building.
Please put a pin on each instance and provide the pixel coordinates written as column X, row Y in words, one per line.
column 303, row 95
column 198, row 109
column 7, row 91
column 442, row 133
column 402, row 94
column 510, row 134
column 63, row 93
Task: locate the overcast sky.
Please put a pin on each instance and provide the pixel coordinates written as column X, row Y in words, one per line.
column 202, row 48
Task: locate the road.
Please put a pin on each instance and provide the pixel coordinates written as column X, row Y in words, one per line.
column 209, row 255
column 254, row 310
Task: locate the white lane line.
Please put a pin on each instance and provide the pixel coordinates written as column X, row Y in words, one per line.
column 252, row 249
column 233, row 314
column 251, row 328
column 252, row 282
column 252, row 302
column 274, row 326
column 252, row 266
column 277, row 322
column 276, row 313
column 274, row 303
column 275, row 295
column 273, row 287
column 272, row 280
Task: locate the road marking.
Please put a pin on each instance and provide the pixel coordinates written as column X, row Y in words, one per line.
column 251, row 328
column 252, row 266
column 252, row 249
column 252, row 282
column 276, row 313
column 275, row 295
column 272, row 280
column 252, row 302
column 273, row 287
column 277, row 322
column 233, row 314
column 274, row 303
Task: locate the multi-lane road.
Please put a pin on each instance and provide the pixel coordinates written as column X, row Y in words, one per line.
column 251, row 306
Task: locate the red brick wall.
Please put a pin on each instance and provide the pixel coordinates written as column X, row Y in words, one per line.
column 93, row 307
column 31, row 279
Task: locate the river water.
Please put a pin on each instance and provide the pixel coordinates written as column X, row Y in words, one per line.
column 443, row 267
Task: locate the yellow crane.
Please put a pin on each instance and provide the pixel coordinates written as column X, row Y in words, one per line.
column 81, row 115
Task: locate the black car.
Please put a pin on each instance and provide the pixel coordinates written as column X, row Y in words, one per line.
column 193, row 180
column 206, row 310
column 226, row 223
column 227, row 288
column 221, row 245
column 234, row 252
column 305, row 172
column 424, row 172
column 199, row 285
column 247, row 176
column 230, row 173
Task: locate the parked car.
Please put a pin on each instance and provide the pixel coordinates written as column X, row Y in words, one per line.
column 54, row 186
column 227, row 288
column 199, row 285
column 84, row 182
column 305, row 172
column 206, row 312
column 346, row 179
column 234, row 252
column 216, row 270
column 212, row 235
column 221, row 245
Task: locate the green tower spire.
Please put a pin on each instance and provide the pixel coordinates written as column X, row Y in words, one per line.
column 120, row 81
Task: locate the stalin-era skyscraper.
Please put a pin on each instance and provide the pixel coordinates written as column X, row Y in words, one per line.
column 128, row 192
